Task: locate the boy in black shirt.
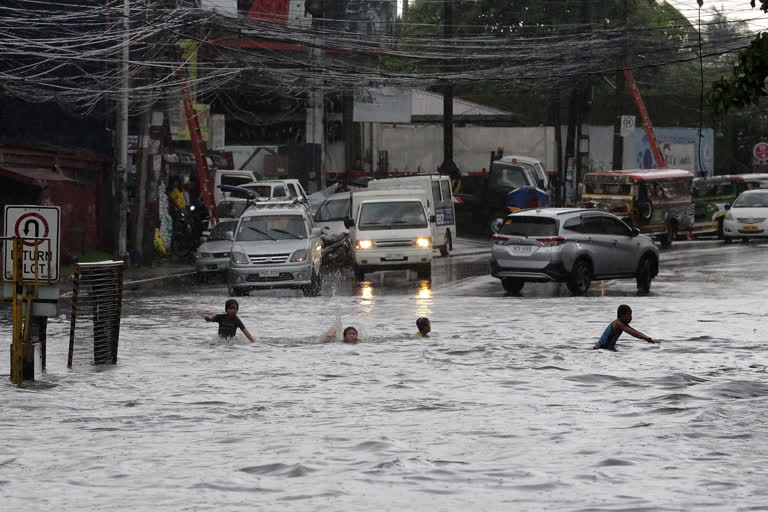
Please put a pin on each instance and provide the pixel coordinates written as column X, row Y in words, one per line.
column 228, row 322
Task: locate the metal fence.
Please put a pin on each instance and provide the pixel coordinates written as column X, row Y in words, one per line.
column 97, row 297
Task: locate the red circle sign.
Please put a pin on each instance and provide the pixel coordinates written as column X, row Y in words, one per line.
column 35, row 220
column 761, row 151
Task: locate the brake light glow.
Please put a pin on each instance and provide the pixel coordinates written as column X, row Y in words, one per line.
column 557, row 240
column 499, row 239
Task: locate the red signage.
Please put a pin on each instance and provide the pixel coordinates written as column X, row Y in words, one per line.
column 761, row 151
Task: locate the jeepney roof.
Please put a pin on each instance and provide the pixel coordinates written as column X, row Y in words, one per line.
column 735, row 177
column 646, row 174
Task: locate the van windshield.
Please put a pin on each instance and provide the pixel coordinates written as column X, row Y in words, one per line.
column 392, row 215
column 219, row 231
column 509, row 176
column 271, row 227
column 336, row 209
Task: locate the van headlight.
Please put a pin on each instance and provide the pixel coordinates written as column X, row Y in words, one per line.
column 364, row 244
column 239, row 258
column 424, row 242
column 299, row 256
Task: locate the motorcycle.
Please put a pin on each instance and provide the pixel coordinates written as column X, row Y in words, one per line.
column 188, row 225
column 337, row 249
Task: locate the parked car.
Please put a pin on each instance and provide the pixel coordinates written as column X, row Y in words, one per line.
column 656, row 201
column 748, row 216
column 276, row 245
column 571, row 245
column 712, row 196
column 213, row 255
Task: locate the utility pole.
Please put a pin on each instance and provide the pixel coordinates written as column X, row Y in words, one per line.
column 448, row 166
column 122, row 169
column 618, row 140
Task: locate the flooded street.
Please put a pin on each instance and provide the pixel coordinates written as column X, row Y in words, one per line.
column 505, row 408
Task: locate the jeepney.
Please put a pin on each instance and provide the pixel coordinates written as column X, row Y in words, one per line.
column 713, row 196
column 656, row 201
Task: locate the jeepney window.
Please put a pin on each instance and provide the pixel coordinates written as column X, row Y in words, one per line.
column 669, row 189
column 435, row 192
column 445, row 185
column 702, row 188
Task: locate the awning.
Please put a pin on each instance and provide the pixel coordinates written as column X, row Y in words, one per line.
column 34, row 175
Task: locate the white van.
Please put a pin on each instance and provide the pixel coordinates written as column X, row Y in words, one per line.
column 439, row 203
column 390, row 230
column 232, row 178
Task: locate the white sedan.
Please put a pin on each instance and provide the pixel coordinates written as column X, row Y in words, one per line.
column 748, row 216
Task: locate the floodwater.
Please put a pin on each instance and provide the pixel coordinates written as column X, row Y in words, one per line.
column 505, row 408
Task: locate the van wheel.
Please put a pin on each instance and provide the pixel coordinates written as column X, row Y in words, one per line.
column 720, row 233
column 359, row 275
column 512, row 285
column 644, row 275
column 236, row 292
column 448, row 247
column 580, row 277
column 424, row 272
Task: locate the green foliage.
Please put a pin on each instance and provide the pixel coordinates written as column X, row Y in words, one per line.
column 746, row 84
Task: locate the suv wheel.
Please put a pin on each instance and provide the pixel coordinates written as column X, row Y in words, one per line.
column 315, row 287
column 512, row 285
column 580, row 277
column 359, row 275
column 448, row 247
column 644, row 273
column 424, row 272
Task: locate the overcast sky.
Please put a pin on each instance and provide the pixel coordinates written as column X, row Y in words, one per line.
column 734, row 9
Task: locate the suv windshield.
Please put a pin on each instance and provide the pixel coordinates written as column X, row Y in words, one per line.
column 333, row 209
column 271, row 227
column 509, row 175
column 220, row 229
column 396, row 214
column 752, row 200
column 529, row 226
column 230, row 209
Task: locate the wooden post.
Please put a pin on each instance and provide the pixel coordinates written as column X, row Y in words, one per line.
column 17, row 354
column 119, row 273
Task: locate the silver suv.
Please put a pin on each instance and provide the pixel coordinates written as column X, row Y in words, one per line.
column 276, row 245
column 574, row 245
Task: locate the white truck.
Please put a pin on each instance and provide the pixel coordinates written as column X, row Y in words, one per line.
column 439, row 203
column 230, row 177
column 391, row 230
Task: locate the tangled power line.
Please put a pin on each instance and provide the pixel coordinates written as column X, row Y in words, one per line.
column 71, row 52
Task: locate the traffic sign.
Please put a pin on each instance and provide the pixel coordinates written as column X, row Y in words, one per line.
column 40, row 257
column 761, row 151
column 627, row 125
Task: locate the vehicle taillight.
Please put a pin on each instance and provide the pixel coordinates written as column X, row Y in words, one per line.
column 498, row 239
column 557, row 240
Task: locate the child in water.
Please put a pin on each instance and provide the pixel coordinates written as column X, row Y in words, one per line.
column 621, row 324
column 424, row 327
column 229, row 322
column 349, row 336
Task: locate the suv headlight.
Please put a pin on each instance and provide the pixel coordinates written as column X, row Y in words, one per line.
column 239, row 258
column 299, row 256
column 424, row 242
column 364, row 244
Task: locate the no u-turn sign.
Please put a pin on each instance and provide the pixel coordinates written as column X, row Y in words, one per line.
column 40, row 257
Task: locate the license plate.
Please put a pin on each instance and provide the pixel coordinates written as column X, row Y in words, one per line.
column 521, row 249
column 751, row 228
column 222, row 266
column 269, row 273
column 393, row 256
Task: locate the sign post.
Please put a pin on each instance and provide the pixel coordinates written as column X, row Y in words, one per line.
column 40, row 227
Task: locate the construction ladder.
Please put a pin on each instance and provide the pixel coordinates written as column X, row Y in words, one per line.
column 198, row 147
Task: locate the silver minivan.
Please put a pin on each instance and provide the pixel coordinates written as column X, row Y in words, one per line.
column 276, row 245
column 571, row 245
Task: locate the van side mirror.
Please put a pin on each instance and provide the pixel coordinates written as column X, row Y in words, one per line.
column 348, row 222
column 635, row 232
column 432, row 219
column 228, row 235
column 727, row 206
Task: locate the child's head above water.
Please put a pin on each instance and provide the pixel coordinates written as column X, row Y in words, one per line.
column 624, row 313
column 423, row 325
column 350, row 335
column 231, row 305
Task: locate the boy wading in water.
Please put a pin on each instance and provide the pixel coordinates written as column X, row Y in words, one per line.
column 228, row 322
column 615, row 328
